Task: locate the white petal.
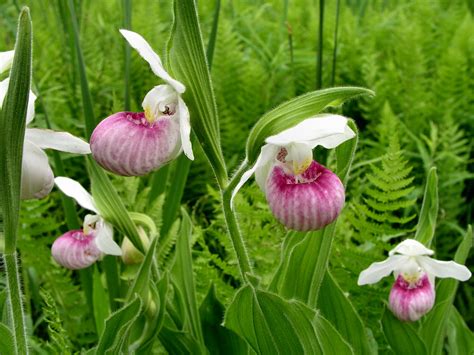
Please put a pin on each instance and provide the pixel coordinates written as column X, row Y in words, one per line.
column 444, row 269
column 411, row 247
column 3, row 90
column 185, row 128
column 104, row 238
column 6, row 60
column 262, row 165
column 376, row 271
column 75, row 190
column 144, row 49
column 37, row 179
column 301, row 156
column 30, row 111
column 63, row 141
column 326, row 130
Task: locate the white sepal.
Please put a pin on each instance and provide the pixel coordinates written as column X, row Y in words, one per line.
column 157, row 99
column 30, row 111
column 63, row 141
column 75, row 190
column 411, row 247
column 443, row 269
column 104, row 238
column 6, row 60
column 37, row 178
column 185, row 128
column 144, row 49
column 377, row 271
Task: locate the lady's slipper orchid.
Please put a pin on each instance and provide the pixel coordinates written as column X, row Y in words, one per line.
column 302, row 194
column 37, row 178
column 413, row 293
column 79, row 249
column 135, row 143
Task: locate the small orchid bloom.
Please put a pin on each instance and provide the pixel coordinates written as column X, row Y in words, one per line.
column 79, row 249
column 135, row 143
column 302, row 194
column 413, row 293
column 37, row 178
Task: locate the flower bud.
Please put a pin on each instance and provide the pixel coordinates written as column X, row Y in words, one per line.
column 305, row 202
column 130, row 254
column 411, row 299
column 128, row 144
column 75, row 250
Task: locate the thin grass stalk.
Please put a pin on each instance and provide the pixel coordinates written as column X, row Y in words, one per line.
column 213, row 36
column 127, row 24
column 319, row 62
column 334, row 53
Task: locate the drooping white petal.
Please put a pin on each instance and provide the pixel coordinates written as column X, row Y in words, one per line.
column 75, row 190
column 104, row 238
column 6, row 60
column 411, row 247
column 185, row 128
column 301, row 156
column 444, row 269
column 326, row 130
column 158, row 99
column 267, row 154
column 144, row 49
column 30, row 112
column 63, row 141
column 37, row 178
column 376, row 271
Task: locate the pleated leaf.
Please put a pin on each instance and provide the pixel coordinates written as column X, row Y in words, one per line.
column 426, row 227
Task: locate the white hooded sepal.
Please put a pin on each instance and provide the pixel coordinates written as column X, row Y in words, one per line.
column 104, row 238
column 37, row 178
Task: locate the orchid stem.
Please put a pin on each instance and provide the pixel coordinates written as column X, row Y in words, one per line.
column 233, row 226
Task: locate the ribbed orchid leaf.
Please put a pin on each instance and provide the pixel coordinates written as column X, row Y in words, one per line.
column 99, row 300
column 294, row 111
column 426, row 227
column 188, row 63
column 272, row 325
column 7, row 341
column 460, row 337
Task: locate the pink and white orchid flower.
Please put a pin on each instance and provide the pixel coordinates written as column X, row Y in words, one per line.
column 135, row 143
column 37, row 178
column 413, row 293
column 302, row 194
column 79, row 249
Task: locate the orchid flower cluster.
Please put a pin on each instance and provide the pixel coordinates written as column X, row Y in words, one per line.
column 301, row 193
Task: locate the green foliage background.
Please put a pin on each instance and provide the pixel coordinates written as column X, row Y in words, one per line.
column 418, row 56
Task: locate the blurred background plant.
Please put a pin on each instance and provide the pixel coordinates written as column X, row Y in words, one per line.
column 418, row 56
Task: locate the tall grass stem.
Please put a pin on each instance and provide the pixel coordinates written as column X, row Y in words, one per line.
column 127, row 24
column 334, row 53
column 319, row 62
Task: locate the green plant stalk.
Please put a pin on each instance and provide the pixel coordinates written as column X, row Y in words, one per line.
column 319, row 64
column 127, row 24
column 232, row 223
column 334, row 53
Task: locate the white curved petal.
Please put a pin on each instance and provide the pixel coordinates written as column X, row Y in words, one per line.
column 30, row 111
column 63, row 141
column 326, row 130
column 158, row 99
column 144, row 49
column 261, row 168
column 300, row 155
column 376, row 271
column 75, row 190
column 37, row 179
column 3, row 90
column 444, row 269
column 411, row 247
column 185, row 128
column 6, row 60
column 104, row 238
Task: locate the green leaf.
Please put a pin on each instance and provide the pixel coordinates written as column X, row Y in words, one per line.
column 272, row 325
column 179, row 342
column 434, row 326
column 110, row 205
column 117, row 328
column 305, row 256
column 100, row 301
column 183, row 280
column 218, row 339
column 460, row 337
column 294, row 111
column 426, row 227
column 7, row 341
column 401, row 336
column 188, row 63
column 336, row 308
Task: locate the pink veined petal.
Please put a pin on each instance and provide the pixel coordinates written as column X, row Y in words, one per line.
column 444, row 269
column 376, row 271
column 144, row 49
column 63, row 141
column 75, row 190
column 37, row 179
